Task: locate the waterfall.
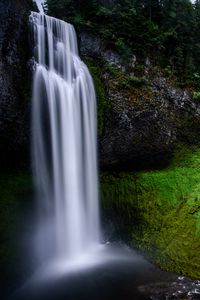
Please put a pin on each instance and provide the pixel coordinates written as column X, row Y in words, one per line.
column 40, row 4
column 64, row 142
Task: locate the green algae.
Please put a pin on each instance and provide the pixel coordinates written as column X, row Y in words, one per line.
column 158, row 211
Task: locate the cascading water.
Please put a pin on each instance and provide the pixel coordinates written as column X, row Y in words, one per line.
column 64, row 141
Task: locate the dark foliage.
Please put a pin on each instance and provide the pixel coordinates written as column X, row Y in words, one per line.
column 167, row 31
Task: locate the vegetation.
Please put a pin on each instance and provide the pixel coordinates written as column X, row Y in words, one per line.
column 96, row 72
column 166, row 31
column 159, row 212
column 196, row 96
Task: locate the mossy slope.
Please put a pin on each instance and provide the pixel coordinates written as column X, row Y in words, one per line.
column 160, row 211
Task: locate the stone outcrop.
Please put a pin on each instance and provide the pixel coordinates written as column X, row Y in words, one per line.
column 141, row 132
column 145, row 116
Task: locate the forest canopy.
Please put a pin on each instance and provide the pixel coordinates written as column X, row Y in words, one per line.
column 166, row 31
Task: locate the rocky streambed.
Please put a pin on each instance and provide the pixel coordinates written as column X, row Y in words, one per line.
column 181, row 288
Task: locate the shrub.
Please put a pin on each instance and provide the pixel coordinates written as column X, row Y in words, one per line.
column 196, row 96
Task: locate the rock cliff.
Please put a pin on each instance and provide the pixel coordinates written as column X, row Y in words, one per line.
column 146, row 113
column 14, row 82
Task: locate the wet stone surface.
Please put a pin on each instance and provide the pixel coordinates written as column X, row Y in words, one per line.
column 181, row 289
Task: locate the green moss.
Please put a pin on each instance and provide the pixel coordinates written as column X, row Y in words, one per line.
column 160, row 211
column 114, row 71
column 196, row 96
column 102, row 103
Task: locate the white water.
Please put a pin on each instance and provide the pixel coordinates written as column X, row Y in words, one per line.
column 64, row 142
column 40, row 4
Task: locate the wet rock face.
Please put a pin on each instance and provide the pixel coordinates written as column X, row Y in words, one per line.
column 180, row 289
column 142, row 133
column 135, row 133
column 90, row 45
column 143, row 123
column 14, row 88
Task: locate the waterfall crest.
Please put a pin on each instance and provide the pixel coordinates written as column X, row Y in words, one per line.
column 40, row 4
column 64, row 141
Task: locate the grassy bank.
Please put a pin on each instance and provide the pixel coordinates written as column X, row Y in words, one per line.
column 159, row 211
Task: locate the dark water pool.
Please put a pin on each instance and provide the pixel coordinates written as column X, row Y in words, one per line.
column 116, row 273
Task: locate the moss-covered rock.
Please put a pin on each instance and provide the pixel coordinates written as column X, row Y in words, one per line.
column 102, row 103
column 158, row 211
column 145, row 121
